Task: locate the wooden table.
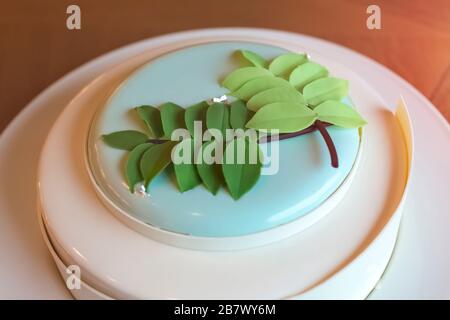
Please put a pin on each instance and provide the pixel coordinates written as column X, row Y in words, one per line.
column 36, row 48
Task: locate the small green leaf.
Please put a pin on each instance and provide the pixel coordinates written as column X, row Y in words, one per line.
column 185, row 171
column 339, row 114
column 278, row 94
column 197, row 112
column 125, row 140
column 152, row 118
column 252, row 87
column 210, row 174
column 132, row 167
column 307, row 73
column 284, row 64
column 218, row 117
column 241, row 177
column 172, row 117
column 284, row 116
column 254, row 58
column 325, row 89
column 155, row 160
column 239, row 114
column 240, row 76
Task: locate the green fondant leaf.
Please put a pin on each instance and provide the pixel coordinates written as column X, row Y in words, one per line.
column 210, row 174
column 284, row 64
column 152, row 118
column 325, row 89
column 172, row 117
column 254, row 58
column 241, row 177
column 132, row 167
column 197, row 112
column 239, row 114
column 185, row 172
column 155, row 160
column 240, row 76
column 307, row 73
column 278, row 94
column 339, row 114
column 218, row 117
column 284, row 116
column 252, row 87
column 125, row 140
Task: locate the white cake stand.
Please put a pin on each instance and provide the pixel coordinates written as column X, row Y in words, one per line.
column 21, row 237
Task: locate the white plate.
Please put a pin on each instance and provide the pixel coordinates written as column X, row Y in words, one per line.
column 29, row 273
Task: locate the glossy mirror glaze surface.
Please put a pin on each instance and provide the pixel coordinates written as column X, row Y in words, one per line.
column 305, row 178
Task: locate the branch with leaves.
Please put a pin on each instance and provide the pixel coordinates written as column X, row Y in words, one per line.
column 290, row 94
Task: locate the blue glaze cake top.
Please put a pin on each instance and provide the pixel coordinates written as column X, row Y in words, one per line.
column 304, row 179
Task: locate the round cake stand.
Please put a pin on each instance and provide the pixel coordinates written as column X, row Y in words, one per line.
column 326, row 260
column 421, row 236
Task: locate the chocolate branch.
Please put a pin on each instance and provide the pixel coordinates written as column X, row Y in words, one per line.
column 318, row 125
column 267, row 139
column 330, row 144
column 285, row 136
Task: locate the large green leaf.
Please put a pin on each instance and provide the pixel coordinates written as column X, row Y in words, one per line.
column 325, row 89
column 239, row 114
column 240, row 76
column 307, row 73
column 284, row 116
column 218, row 117
column 132, row 167
column 172, row 117
column 284, row 64
column 254, row 58
column 241, row 177
column 339, row 114
column 125, row 140
column 255, row 86
column 210, row 173
column 197, row 112
column 155, row 160
column 152, row 118
column 278, row 94
column 185, row 171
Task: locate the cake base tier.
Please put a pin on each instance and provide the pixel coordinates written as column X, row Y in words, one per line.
column 356, row 281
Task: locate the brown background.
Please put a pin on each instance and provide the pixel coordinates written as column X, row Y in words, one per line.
column 36, row 48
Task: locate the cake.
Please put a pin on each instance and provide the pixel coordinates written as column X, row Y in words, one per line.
column 225, row 85
column 315, row 200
